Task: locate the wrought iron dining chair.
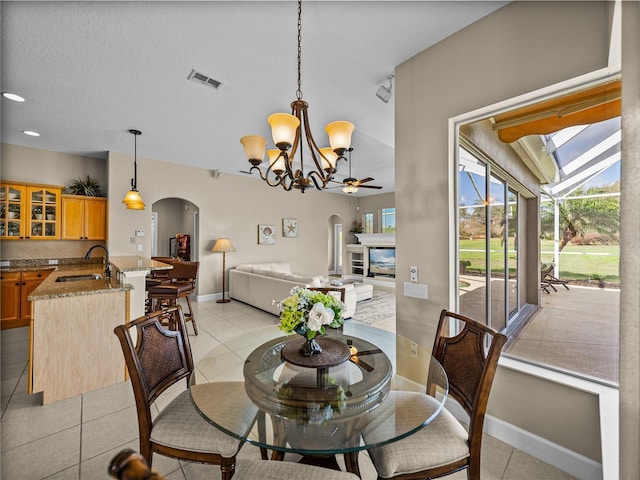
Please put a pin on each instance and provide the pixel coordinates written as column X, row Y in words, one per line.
column 160, row 358
column 470, row 359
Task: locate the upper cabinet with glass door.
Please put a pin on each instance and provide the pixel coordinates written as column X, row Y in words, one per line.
column 12, row 218
column 44, row 212
column 29, row 211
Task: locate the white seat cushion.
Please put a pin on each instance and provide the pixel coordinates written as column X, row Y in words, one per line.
column 442, row 441
column 179, row 424
column 274, row 470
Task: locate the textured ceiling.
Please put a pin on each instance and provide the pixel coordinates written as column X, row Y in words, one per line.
column 92, row 70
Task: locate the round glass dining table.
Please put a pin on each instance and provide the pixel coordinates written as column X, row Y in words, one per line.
column 321, row 405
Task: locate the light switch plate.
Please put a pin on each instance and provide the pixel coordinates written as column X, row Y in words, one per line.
column 413, row 273
column 140, row 247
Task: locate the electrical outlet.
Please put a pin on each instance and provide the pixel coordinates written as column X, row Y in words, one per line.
column 140, row 247
column 414, row 349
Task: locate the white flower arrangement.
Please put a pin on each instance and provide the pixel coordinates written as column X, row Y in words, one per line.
column 307, row 312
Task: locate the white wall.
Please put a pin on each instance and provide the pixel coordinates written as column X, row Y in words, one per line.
column 518, row 49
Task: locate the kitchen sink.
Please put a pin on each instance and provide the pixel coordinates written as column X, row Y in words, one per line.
column 77, row 278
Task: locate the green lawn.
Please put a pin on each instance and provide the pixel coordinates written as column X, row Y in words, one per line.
column 577, row 262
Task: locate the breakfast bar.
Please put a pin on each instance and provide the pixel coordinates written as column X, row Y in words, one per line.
column 72, row 348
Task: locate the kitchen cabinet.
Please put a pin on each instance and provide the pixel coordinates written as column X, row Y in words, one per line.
column 29, row 211
column 84, row 218
column 12, row 202
column 16, row 288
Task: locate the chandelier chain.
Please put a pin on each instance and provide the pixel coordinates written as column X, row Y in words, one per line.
column 299, row 91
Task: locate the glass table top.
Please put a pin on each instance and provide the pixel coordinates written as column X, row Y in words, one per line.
column 324, row 408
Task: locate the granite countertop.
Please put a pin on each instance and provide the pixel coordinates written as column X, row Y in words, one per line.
column 136, row 263
column 49, row 288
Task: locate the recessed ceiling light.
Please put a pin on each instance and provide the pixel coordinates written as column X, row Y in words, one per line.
column 31, row 132
column 12, row 96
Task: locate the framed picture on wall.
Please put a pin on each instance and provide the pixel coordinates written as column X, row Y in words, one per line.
column 266, row 234
column 289, row 227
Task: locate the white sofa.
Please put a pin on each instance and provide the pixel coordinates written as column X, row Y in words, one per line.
column 260, row 284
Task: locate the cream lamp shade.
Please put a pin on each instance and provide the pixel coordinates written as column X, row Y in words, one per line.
column 254, row 146
column 340, row 135
column 329, row 159
column 223, row 245
column 283, row 129
column 276, row 161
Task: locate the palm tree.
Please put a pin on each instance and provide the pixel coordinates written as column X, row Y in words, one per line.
column 582, row 215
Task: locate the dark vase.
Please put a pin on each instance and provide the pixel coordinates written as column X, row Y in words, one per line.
column 310, row 348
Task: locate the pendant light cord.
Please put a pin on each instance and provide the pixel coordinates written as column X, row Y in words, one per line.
column 299, row 91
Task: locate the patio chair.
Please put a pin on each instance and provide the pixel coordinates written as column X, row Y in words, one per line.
column 547, row 278
column 157, row 360
column 445, row 446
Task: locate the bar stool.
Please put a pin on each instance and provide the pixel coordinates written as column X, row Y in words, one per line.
column 168, row 295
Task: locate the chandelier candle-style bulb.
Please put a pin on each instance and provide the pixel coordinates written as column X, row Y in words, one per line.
column 254, row 146
column 283, row 129
column 340, row 136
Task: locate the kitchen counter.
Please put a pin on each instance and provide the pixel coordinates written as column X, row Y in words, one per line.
column 136, row 263
column 49, row 288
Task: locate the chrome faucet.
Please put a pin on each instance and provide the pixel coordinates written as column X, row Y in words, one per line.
column 107, row 267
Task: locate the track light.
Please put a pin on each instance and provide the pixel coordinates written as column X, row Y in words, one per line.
column 384, row 93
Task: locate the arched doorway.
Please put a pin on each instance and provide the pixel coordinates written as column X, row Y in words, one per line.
column 172, row 217
column 335, row 245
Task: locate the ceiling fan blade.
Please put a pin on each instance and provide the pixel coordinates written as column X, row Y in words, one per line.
column 368, row 179
column 370, row 186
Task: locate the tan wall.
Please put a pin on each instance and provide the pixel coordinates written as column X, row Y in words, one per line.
column 25, row 164
column 629, row 241
column 230, row 206
column 518, row 49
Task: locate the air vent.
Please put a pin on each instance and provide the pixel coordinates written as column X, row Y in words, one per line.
column 202, row 78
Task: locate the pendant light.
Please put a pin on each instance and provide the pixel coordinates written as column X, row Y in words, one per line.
column 132, row 200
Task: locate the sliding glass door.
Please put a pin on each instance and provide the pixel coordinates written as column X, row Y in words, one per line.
column 487, row 242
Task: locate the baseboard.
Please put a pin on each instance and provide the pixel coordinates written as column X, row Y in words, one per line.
column 560, row 457
column 211, row 296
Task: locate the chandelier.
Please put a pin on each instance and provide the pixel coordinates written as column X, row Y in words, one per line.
column 287, row 131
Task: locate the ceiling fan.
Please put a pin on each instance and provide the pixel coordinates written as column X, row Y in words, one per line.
column 351, row 184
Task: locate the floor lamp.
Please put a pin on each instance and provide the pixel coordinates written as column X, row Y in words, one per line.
column 223, row 245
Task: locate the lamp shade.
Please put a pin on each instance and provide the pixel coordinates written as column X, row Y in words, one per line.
column 133, row 201
column 329, row 158
column 276, row 161
column 254, row 146
column 340, row 134
column 223, row 245
column 283, row 129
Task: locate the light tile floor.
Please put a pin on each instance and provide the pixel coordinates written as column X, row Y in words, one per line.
column 76, row 438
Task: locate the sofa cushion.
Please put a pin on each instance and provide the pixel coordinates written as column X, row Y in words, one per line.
column 281, row 267
column 305, row 279
column 276, row 274
column 245, row 267
column 261, row 271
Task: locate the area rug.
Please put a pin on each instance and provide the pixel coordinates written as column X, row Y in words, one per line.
column 381, row 307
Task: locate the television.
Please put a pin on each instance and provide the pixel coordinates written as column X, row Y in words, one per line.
column 382, row 261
